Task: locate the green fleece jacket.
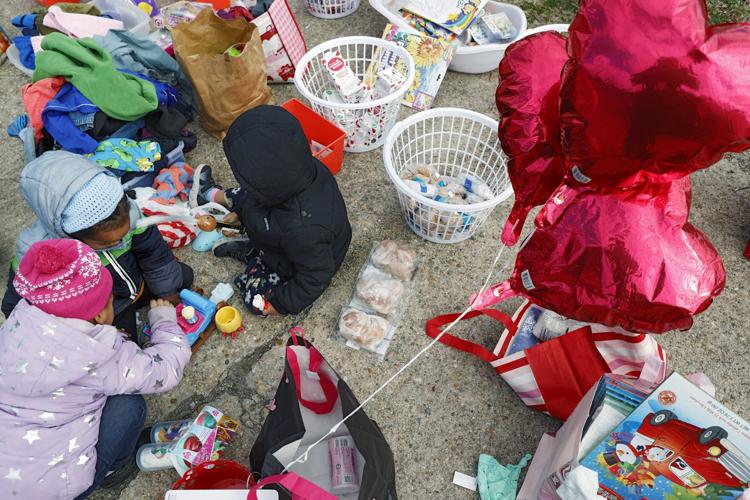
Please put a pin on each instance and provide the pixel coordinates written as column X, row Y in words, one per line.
column 86, row 65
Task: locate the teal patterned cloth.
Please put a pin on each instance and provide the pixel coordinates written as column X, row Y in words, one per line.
column 127, row 155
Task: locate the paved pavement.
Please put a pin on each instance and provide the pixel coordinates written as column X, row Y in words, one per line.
column 448, row 407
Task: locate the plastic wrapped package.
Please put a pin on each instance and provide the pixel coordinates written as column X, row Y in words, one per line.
column 378, row 291
column 395, row 258
column 370, row 319
column 365, row 330
column 178, row 13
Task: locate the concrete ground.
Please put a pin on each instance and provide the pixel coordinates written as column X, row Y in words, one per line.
column 448, row 407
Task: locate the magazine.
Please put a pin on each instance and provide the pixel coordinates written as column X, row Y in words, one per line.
column 431, row 60
column 453, row 15
column 678, row 443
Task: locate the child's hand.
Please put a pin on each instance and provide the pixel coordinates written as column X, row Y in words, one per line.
column 160, row 303
column 173, row 299
column 231, row 218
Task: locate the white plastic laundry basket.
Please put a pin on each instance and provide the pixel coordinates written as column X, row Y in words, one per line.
column 560, row 28
column 453, row 141
column 365, row 123
column 331, row 9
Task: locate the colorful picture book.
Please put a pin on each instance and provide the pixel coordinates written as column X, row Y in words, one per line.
column 431, row 60
column 678, row 443
column 453, row 15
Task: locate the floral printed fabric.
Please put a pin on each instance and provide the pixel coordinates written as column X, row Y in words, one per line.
column 256, row 280
column 127, row 155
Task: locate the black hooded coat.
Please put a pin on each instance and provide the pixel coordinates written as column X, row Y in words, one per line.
column 294, row 213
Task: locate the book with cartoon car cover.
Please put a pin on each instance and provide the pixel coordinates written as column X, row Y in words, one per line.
column 679, row 443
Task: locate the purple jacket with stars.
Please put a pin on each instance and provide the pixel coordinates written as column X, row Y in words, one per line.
column 55, row 376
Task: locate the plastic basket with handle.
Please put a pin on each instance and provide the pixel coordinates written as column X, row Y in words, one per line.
column 456, row 142
column 466, row 58
column 329, row 137
column 366, row 123
column 331, row 9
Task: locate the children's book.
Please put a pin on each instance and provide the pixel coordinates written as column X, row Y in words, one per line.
column 427, row 27
column 453, row 15
column 678, row 443
column 431, row 60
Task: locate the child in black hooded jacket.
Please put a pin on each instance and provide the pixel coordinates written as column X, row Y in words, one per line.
column 293, row 212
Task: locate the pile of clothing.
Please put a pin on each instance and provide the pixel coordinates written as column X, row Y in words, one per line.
column 101, row 91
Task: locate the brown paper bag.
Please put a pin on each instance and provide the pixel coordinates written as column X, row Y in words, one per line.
column 226, row 86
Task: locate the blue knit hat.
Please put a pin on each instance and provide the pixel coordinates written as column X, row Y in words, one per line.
column 96, row 201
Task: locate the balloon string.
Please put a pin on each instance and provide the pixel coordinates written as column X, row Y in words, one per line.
column 303, row 458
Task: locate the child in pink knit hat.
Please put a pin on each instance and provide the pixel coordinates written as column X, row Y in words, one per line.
column 71, row 409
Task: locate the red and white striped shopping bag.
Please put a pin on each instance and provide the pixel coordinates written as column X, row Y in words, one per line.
column 282, row 41
column 552, row 376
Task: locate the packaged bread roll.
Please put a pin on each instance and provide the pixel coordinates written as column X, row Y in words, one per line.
column 365, row 330
column 381, row 294
column 395, row 259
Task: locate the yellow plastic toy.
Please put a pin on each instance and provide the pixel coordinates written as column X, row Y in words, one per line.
column 229, row 321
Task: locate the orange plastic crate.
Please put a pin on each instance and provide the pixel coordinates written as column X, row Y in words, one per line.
column 322, row 131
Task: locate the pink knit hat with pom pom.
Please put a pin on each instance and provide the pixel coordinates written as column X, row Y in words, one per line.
column 64, row 278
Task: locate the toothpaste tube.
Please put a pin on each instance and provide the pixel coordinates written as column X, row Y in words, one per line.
column 343, row 467
column 350, row 88
column 389, row 80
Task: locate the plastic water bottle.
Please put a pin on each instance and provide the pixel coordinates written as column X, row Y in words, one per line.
column 476, row 186
column 426, row 189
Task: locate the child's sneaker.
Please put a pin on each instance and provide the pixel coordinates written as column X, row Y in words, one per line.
column 203, row 184
column 239, row 249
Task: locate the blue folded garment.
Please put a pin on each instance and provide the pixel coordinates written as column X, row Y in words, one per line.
column 25, row 51
column 19, row 123
column 26, row 23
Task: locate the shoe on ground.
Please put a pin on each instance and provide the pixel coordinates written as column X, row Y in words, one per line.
column 203, row 182
column 235, row 248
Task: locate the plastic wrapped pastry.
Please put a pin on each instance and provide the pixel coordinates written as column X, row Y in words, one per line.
column 395, row 259
column 425, row 171
column 381, row 294
column 365, row 330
